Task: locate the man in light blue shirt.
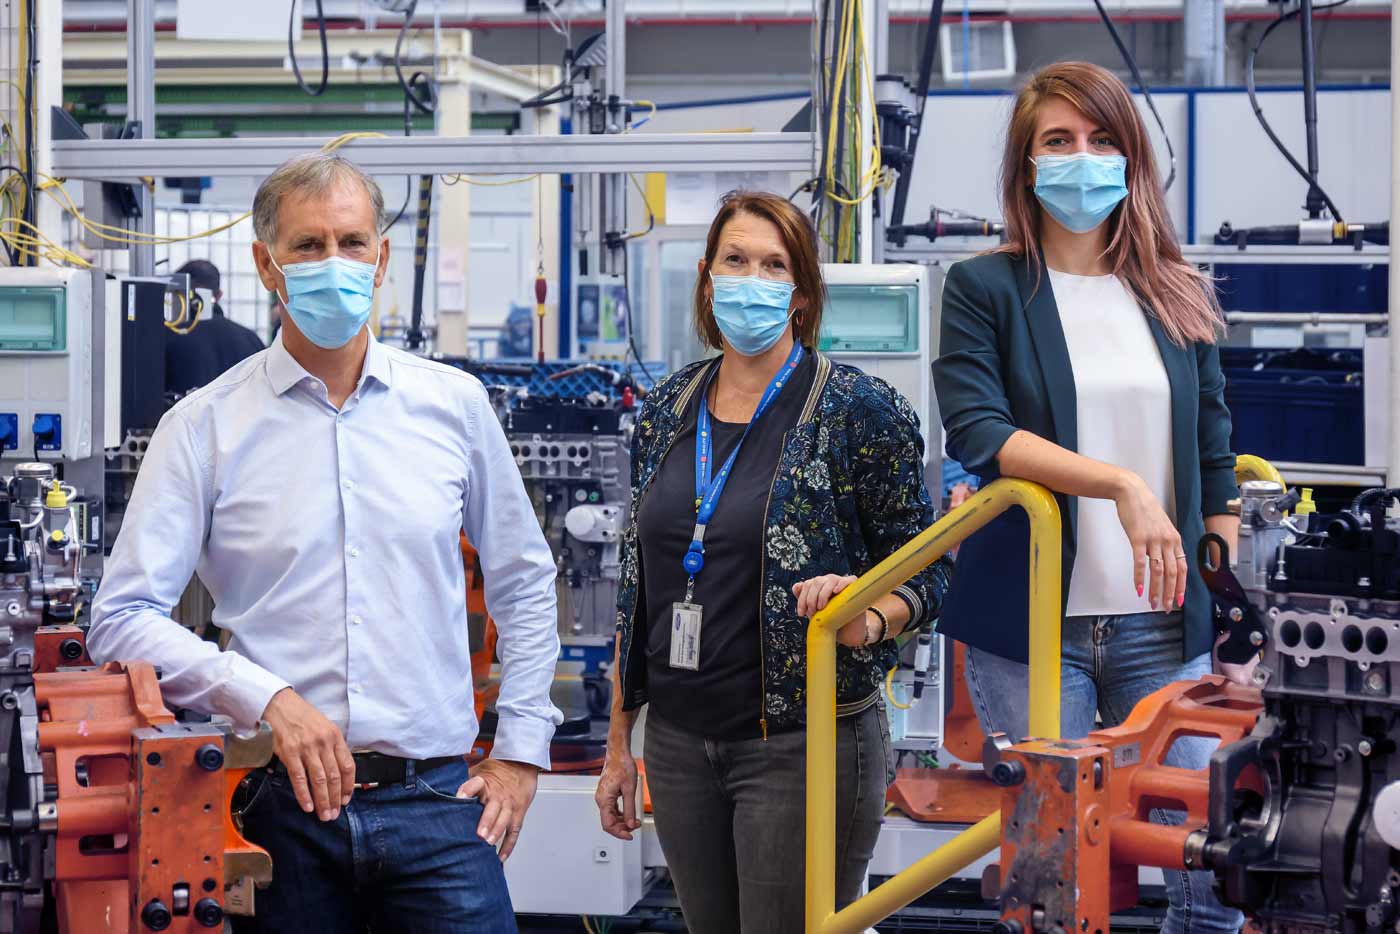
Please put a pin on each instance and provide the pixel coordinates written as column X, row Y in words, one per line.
column 318, row 488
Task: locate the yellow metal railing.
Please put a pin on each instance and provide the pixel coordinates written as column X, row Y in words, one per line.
column 1044, row 711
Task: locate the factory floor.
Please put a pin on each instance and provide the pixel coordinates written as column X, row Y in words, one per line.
column 953, row 908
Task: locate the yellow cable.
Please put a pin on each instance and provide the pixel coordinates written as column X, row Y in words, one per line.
column 586, row 926
column 870, row 178
column 19, row 90
column 24, row 92
column 344, row 138
column 184, row 312
column 122, row 235
column 838, row 81
column 491, row 184
column 37, row 245
column 651, row 215
column 650, row 113
column 889, row 691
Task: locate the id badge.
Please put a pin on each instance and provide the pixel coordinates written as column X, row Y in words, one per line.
column 685, row 635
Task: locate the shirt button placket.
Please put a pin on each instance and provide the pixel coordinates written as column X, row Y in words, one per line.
column 344, row 468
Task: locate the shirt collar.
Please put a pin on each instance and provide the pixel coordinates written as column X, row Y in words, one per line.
column 284, row 372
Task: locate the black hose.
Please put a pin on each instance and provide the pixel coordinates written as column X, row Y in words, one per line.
column 631, row 332
column 420, row 260
column 31, row 60
column 1141, row 86
column 325, row 50
column 822, row 110
column 1385, row 494
column 1259, row 112
column 927, row 57
column 13, row 252
column 418, row 90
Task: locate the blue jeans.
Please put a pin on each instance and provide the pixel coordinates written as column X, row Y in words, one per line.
column 1109, row 663
column 399, row 858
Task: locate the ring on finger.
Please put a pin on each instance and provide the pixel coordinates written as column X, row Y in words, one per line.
column 1156, row 560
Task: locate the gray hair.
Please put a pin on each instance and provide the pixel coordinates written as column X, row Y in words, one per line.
column 313, row 173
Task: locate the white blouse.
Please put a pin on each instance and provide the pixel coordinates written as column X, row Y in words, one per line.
column 1123, row 408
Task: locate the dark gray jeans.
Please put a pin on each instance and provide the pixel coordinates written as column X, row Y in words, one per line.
column 731, row 817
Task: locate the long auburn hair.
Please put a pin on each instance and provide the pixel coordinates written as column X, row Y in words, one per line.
column 800, row 240
column 1142, row 247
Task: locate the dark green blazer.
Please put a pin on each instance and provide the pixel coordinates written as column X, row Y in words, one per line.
column 1004, row 366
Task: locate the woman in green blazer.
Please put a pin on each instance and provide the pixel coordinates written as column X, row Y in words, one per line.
column 1082, row 356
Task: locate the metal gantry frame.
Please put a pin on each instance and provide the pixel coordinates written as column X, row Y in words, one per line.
column 438, row 155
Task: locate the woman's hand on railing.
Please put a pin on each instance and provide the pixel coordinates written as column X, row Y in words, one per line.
column 812, row 597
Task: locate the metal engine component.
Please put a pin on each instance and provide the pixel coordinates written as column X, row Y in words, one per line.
column 41, row 549
column 1313, row 847
column 574, row 458
column 110, row 804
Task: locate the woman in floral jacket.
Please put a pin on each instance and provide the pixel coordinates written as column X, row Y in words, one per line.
column 763, row 481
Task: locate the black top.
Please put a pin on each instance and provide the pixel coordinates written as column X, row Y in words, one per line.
column 201, row 356
column 723, row 699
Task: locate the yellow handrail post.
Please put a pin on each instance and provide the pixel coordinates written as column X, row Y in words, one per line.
column 1044, row 698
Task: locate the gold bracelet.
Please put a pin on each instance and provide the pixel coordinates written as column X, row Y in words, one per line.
column 884, row 624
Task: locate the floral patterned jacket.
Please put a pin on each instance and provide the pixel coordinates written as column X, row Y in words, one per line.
column 847, row 493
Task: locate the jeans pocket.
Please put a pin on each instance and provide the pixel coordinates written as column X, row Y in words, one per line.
column 255, row 790
column 438, row 789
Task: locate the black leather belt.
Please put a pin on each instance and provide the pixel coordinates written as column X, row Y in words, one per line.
column 375, row 768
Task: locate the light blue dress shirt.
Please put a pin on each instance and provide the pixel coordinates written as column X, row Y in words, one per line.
column 329, row 542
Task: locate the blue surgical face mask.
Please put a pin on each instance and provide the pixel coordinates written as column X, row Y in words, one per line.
column 751, row 312
column 1082, row 189
column 329, row 299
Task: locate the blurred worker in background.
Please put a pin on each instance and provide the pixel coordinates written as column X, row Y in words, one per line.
column 764, row 481
column 214, row 343
column 516, row 338
column 338, row 572
column 1082, row 355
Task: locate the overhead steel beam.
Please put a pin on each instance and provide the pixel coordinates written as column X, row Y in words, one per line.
column 434, row 155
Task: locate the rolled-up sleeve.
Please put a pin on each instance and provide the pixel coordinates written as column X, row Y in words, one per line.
column 1213, row 434
column 967, row 375
column 162, row 535
column 518, row 574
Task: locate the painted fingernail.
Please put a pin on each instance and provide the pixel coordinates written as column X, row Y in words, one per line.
column 1139, row 590
column 1180, row 601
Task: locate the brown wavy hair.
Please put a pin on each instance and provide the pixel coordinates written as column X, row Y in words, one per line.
column 1142, row 248
column 800, row 241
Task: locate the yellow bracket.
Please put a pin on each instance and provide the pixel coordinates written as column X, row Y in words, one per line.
column 1044, row 700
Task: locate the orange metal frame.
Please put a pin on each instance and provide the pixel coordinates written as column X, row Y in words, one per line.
column 143, row 810
column 1075, row 818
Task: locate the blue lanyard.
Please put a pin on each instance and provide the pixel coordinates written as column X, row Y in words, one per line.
column 708, row 489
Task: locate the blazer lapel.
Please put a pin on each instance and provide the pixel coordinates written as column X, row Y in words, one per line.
column 1179, row 363
column 1051, row 351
